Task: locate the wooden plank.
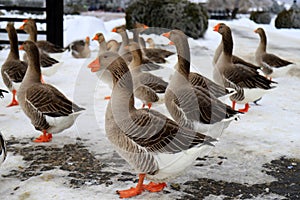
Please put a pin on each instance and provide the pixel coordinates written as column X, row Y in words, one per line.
column 27, row 8
column 55, row 12
column 13, row 19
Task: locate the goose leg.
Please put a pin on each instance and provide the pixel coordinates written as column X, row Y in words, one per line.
column 233, row 105
column 155, row 187
column 133, row 191
column 244, row 110
column 45, row 137
column 107, row 98
column 14, row 101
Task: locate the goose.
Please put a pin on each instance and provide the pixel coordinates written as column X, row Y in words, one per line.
column 193, row 106
column 249, row 84
column 13, row 69
column 48, row 109
column 154, row 54
column 99, row 37
column 146, row 85
column 113, row 45
column 44, row 45
column 154, row 145
column 235, row 59
column 269, row 62
column 3, row 150
column 1, row 93
column 49, row 65
column 124, row 52
column 80, row 48
column 151, row 43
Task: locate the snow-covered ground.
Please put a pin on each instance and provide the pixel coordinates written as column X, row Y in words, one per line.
column 266, row 132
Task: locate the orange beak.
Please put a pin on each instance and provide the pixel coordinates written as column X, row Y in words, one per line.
column 22, row 27
column 95, row 37
column 145, row 26
column 114, row 30
column 255, row 31
column 216, row 27
column 21, row 47
column 94, row 65
column 25, row 20
column 171, row 43
column 167, row 34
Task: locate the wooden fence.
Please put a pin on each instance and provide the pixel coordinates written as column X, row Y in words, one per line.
column 54, row 20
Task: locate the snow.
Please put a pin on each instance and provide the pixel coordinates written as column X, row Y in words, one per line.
column 266, row 132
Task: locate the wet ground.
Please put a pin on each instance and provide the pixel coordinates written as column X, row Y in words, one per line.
column 84, row 169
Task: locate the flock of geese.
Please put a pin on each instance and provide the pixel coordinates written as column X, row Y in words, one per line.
column 157, row 147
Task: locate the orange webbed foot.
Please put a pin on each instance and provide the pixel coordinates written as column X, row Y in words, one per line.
column 107, row 98
column 45, row 137
column 155, row 187
column 13, row 103
column 130, row 192
column 244, row 110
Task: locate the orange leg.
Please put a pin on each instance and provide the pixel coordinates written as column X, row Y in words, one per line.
column 233, row 105
column 107, row 98
column 45, row 137
column 133, row 191
column 155, row 187
column 244, row 110
column 149, row 105
column 42, row 80
column 14, row 101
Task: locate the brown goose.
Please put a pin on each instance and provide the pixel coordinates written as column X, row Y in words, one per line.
column 190, row 106
column 13, row 69
column 3, row 150
column 80, row 48
column 41, row 44
column 149, row 141
column 268, row 62
column 48, row 109
column 99, row 37
column 146, row 85
column 124, row 52
column 29, row 27
column 250, row 85
column 113, row 45
column 235, row 59
column 154, row 54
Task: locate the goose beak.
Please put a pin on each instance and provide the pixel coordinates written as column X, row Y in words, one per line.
column 171, row 43
column 255, row 31
column 95, row 37
column 94, row 65
column 114, row 30
column 145, row 26
column 21, row 47
column 22, row 27
column 167, row 34
column 216, row 27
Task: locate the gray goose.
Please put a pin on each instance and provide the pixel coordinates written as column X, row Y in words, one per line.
column 235, row 59
column 3, row 150
column 13, row 69
column 149, row 141
column 193, row 106
column 48, row 109
column 146, row 85
column 80, row 48
column 249, row 84
column 41, row 44
column 29, row 27
column 268, row 62
column 154, row 54
column 148, row 65
column 99, row 37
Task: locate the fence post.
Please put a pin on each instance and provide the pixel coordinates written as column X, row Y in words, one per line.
column 54, row 12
